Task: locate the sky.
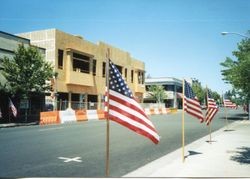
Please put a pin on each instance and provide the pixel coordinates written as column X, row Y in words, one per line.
column 174, row 38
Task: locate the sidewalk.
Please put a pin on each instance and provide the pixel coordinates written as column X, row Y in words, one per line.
column 228, row 155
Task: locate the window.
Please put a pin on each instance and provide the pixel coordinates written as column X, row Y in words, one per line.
column 81, row 63
column 126, row 74
column 94, row 67
column 168, row 87
column 132, row 76
column 103, row 69
column 140, row 77
column 60, row 59
column 119, row 68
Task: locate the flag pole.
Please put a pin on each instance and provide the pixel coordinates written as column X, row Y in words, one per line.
column 226, row 116
column 183, row 116
column 225, row 109
column 107, row 112
column 210, row 137
column 9, row 109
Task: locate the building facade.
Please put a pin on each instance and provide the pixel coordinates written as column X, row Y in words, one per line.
column 172, row 87
column 80, row 68
column 8, row 45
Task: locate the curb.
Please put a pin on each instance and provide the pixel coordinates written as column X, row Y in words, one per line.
column 9, row 125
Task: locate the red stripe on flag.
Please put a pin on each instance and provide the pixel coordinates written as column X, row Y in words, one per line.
column 134, row 128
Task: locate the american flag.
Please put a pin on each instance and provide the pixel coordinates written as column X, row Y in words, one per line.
column 228, row 103
column 191, row 103
column 212, row 108
column 124, row 109
column 12, row 108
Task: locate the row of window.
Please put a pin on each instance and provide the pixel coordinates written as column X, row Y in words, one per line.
column 82, row 63
column 168, row 88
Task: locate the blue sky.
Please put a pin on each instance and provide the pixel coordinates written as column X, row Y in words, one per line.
column 175, row 38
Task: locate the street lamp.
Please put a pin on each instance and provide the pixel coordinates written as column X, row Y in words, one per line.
column 236, row 33
column 225, row 33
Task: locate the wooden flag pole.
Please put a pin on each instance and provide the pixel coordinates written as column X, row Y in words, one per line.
column 226, row 116
column 210, row 138
column 183, row 117
column 210, row 132
column 225, row 109
column 107, row 112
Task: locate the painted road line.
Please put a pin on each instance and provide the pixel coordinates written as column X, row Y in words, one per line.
column 66, row 159
column 48, row 129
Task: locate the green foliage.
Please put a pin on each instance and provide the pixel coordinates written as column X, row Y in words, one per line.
column 216, row 96
column 199, row 91
column 237, row 72
column 27, row 71
column 158, row 93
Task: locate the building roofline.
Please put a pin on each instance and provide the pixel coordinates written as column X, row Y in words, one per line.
column 16, row 36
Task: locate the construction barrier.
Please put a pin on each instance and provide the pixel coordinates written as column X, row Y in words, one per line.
column 153, row 111
column 70, row 115
column 81, row 115
column 101, row 114
column 51, row 117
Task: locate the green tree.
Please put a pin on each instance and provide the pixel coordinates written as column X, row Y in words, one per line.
column 199, row 91
column 158, row 93
column 216, row 96
column 26, row 72
column 237, row 72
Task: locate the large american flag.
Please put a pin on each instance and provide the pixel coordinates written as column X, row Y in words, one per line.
column 212, row 108
column 228, row 103
column 124, row 109
column 12, row 108
column 191, row 103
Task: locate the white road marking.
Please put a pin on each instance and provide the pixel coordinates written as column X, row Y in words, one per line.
column 53, row 128
column 76, row 159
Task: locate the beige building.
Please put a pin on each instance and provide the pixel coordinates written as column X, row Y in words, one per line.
column 80, row 65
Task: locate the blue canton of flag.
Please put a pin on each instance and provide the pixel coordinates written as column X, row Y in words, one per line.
column 117, row 84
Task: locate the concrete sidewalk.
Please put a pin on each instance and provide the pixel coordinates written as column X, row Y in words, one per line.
column 228, row 155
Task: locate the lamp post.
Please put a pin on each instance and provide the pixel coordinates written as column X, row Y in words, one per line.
column 236, row 33
column 247, row 37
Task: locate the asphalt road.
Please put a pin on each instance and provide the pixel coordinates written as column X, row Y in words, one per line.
column 78, row 150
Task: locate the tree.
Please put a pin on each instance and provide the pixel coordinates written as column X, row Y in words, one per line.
column 199, row 91
column 26, row 72
column 157, row 92
column 237, row 72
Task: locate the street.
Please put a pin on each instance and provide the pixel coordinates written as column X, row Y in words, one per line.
column 79, row 149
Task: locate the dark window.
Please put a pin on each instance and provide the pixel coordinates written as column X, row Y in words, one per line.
column 132, row 76
column 60, row 59
column 126, row 73
column 103, row 69
column 169, row 87
column 81, row 63
column 119, row 68
column 94, row 67
column 141, row 77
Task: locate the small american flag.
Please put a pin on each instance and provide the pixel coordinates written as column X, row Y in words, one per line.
column 124, row 109
column 12, row 108
column 228, row 103
column 212, row 108
column 191, row 103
